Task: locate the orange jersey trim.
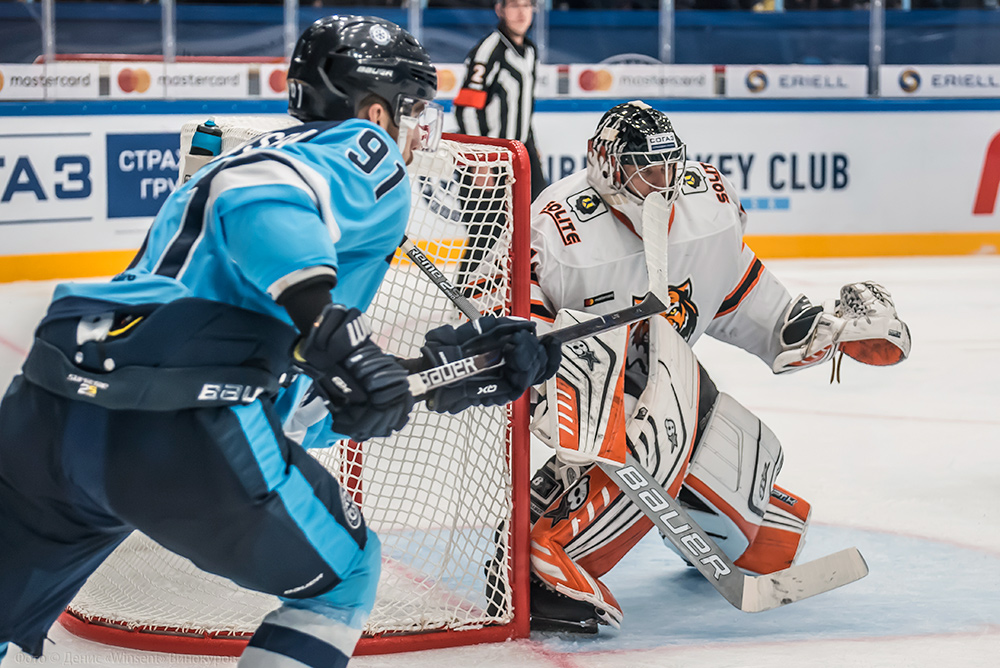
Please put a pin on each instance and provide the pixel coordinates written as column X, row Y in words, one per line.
column 747, row 283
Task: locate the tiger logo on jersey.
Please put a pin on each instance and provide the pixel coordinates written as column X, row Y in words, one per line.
column 682, row 314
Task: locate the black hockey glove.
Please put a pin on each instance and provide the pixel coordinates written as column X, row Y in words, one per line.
column 528, row 361
column 365, row 389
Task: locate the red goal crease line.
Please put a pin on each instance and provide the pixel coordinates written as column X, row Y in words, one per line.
column 89, row 264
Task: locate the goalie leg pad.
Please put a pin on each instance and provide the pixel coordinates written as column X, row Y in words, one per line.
column 561, row 525
column 728, row 485
column 781, row 534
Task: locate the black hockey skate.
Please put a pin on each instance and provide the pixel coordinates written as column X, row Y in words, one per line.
column 552, row 611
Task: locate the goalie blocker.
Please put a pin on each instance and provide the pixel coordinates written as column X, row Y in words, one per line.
column 702, row 446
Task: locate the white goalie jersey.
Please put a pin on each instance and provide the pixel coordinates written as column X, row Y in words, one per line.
column 588, row 257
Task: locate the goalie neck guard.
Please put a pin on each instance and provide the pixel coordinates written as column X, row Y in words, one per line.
column 340, row 60
column 633, row 152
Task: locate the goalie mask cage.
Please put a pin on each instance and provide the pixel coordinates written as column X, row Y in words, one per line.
column 448, row 495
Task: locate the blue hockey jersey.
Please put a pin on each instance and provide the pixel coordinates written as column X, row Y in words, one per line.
column 312, row 199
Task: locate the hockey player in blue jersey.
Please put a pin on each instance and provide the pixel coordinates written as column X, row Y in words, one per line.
column 148, row 402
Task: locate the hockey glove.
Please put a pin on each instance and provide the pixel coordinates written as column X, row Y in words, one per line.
column 863, row 324
column 365, row 389
column 528, row 361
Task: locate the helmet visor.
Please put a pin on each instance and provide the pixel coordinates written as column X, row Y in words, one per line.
column 424, row 120
column 661, row 171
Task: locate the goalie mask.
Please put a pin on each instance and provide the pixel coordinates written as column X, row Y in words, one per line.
column 340, row 60
column 633, row 153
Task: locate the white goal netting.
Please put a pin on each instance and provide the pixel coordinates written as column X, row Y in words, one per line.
column 436, row 493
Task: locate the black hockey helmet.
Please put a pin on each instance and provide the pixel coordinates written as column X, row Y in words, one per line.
column 339, row 60
column 635, row 134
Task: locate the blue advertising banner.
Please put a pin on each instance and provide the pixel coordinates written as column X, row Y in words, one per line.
column 142, row 172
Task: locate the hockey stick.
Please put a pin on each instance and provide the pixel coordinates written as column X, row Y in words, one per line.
column 426, row 380
column 440, row 280
column 749, row 593
column 655, row 224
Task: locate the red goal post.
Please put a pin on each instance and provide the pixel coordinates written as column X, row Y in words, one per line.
column 446, row 495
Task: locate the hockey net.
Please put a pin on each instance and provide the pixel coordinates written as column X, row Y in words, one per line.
column 447, row 496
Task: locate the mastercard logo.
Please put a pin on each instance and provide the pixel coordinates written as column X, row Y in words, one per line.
column 446, row 80
column 595, row 80
column 1, row 80
column 756, row 81
column 134, row 81
column 278, row 80
column 909, row 81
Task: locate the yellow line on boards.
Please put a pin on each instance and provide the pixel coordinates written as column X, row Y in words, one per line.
column 875, row 245
column 88, row 264
column 47, row 266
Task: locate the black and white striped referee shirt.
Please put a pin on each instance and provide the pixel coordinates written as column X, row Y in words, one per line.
column 498, row 96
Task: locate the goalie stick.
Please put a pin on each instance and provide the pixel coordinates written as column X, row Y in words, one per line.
column 748, row 593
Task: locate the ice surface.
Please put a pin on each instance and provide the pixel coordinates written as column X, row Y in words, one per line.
column 903, row 462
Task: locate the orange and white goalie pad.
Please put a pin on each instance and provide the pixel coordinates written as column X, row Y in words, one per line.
column 585, row 523
column 581, row 412
column 730, row 492
column 863, row 324
column 781, row 535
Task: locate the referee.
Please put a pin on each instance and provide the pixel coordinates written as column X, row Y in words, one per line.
column 497, row 98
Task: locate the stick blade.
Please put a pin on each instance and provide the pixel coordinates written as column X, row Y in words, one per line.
column 766, row 592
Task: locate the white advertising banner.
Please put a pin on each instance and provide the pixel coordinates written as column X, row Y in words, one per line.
column 273, row 81
column 939, row 80
column 829, row 173
column 92, row 182
column 641, row 80
column 450, row 77
column 796, row 81
column 185, row 81
column 58, row 81
column 136, row 80
column 206, row 81
column 81, row 183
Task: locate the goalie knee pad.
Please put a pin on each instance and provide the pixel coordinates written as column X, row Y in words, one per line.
column 781, row 535
column 728, row 485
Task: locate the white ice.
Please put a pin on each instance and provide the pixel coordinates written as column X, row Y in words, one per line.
column 903, row 462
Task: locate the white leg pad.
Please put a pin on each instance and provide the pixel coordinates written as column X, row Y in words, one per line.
column 732, row 472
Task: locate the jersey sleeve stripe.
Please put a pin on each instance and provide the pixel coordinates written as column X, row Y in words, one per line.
column 539, row 311
column 734, row 298
column 277, row 288
column 470, row 98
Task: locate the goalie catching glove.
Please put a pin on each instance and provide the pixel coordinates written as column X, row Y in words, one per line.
column 863, row 324
column 528, row 361
column 364, row 389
